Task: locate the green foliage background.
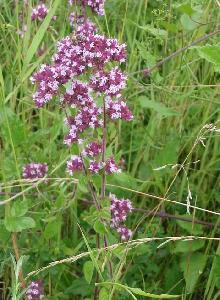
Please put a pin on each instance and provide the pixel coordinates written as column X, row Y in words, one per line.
column 170, row 107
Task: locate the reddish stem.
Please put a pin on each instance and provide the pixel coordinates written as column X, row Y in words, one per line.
column 17, row 256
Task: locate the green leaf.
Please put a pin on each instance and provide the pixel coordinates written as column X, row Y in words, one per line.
column 168, row 154
column 211, row 53
column 192, row 267
column 103, row 294
column 160, row 108
column 169, row 26
column 19, row 208
column 150, row 59
column 187, row 246
column 88, row 269
column 186, row 8
column 190, row 22
column 52, row 229
column 17, row 224
column 4, row 234
column 194, row 229
column 99, row 227
column 160, row 33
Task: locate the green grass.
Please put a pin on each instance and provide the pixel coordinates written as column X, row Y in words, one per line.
column 170, row 108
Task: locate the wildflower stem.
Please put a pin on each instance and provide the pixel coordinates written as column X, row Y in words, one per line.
column 103, row 150
column 147, row 72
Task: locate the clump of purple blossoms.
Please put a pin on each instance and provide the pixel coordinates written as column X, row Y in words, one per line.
column 110, row 83
column 35, row 170
column 92, row 150
column 111, row 167
column 118, row 110
column 95, row 167
column 90, row 91
column 119, row 212
column 83, row 26
column 124, row 232
column 35, row 290
column 39, row 13
column 97, row 6
column 74, row 164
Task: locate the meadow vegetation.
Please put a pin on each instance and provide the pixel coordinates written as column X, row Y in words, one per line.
column 50, row 230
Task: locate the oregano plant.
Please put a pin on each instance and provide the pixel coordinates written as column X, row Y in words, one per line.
column 85, row 79
column 100, row 201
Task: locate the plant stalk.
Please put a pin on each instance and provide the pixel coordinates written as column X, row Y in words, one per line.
column 148, row 71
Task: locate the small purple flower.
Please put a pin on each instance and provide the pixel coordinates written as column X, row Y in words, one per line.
column 87, row 118
column 49, row 79
column 95, row 167
column 110, row 83
column 74, row 164
column 39, row 13
column 97, row 6
column 83, row 27
column 118, row 110
column 35, row 290
column 78, row 95
column 76, row 20
column 92, row 150
column 111, row 166
column 124, row 232
column 35, row 170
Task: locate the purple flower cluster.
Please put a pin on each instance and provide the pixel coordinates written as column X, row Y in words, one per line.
column 35, row 170
column 124, row 232
column 92, row 150
column 97, row 6
column 110, row 83
column 119, row 212
column 73, row 58
column 84, row 53
column 35, row 290
column 39, row 13
column 95, row 166
column 83, row 27
column 86, row 118
column 90, row 92
column 111, row 167
column 118, row 110
column 78, row 95
column 74, row 164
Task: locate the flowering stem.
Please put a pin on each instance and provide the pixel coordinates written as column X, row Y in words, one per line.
column 91, row 187
column 104, row 132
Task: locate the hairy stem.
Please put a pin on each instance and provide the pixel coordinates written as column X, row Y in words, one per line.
column 104, row 132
